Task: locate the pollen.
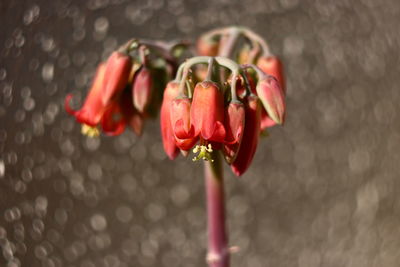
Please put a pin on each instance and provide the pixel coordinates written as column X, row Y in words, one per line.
column 204, row 153
column 90, row 131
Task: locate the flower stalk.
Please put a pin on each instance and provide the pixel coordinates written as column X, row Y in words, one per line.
column 218, row 251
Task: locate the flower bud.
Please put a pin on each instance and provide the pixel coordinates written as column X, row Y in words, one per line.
column 250, row 138
column 142, row 89
column 116, row 75
column 273, row 98
column 234, row 125
column 207, row 112
column 273, row 66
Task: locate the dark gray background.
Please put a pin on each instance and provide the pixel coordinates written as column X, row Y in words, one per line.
column 322, row 191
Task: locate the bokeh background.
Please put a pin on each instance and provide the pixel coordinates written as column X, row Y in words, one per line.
column 323, row 190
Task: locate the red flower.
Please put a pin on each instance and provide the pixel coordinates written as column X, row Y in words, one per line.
column 234, row 125
column 117, row 75
column 250, row 136
column 168, row 137
column 93, row 109
column 180, row 119
column 142, row 89
column 273, row 98
column 114, row 113
column 273, row 66
column 207, row 112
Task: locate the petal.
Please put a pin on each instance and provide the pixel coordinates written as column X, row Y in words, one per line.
column 273, row 98
column 116, row 75
column 67, row 106
column 266, row 121
column 113, row 122
column 93, row 108
column 180, row 130
column 273, row 66
column 142, row 89
column 250, row 136
column 207, row 109
column 218, row 134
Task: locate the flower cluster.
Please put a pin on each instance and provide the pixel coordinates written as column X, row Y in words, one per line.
column 221, row 100
column 225, row 116
column 126, row 89
column 216, row 109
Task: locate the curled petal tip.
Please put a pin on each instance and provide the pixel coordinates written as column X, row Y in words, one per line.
column 67, row 106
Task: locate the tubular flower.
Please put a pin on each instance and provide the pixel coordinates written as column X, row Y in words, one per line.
column 207, row 112
column 142, row 89
column 250, row 136
column 180, row 118
column 272, row 65
column 234, row 125
column 93, row 108
column 118, row 69
column 167, row 133
column 273, row 98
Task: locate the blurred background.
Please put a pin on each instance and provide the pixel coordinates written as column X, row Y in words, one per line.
column 322, row 191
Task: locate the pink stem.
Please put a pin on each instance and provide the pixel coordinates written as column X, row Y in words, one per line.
column 218, row 252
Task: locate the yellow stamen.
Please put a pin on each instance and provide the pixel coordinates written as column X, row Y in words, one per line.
column 204, row 153
column 90, row 131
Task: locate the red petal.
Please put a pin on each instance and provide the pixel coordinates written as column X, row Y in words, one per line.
column 113, row 122
column 208, row 109
column 273, row 98
column 142, row 89
column 250, row 136
column 266, row 121
column 67, row 106
column 116, row 75
column 167, row 134
column 273, row 66
column 93, row 108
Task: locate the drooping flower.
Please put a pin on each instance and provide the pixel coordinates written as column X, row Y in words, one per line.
column 167, row 133
column 272, row 97
column 251, row 134
column 273, row 66
column 142, row 88
column 93, row 108
column 234, row 126
column 207, row 112
column 116, row 76
column 180, row 119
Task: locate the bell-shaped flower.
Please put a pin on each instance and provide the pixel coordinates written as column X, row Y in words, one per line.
column 273, row 98
column 180, row 119
column 207, row 112
column 142, row 88
column 273, row 66
column 251, row 134
column 234, row 126
column 167, row 133
column 93, row 108
column 207, row 47
column 117, row 73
